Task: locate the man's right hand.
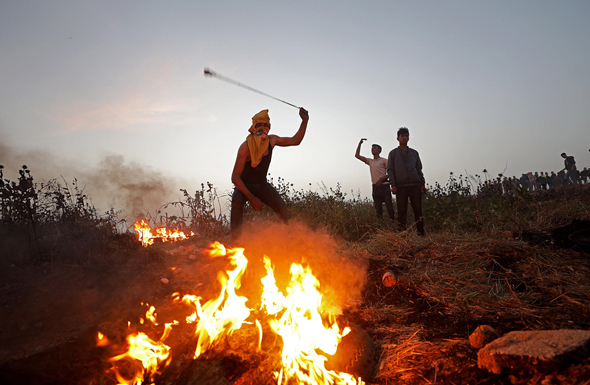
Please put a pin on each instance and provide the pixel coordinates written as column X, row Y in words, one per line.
column 256, row 204
column 303, row 114
column 362, row 140
column 394, row 189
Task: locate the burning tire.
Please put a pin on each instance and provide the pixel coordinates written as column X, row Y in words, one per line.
column 357, row 354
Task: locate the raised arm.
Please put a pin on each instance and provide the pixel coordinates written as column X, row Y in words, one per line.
column 296, row 139
column 358, row 152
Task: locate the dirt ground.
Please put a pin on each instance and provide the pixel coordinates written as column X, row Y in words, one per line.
column 50, row 317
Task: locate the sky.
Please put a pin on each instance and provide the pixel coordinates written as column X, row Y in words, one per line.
column 113, row 93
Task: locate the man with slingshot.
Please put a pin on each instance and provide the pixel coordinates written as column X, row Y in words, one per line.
column 251, row 168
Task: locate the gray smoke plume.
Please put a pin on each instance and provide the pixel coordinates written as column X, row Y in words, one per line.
column 136, row 188
column 130, row 187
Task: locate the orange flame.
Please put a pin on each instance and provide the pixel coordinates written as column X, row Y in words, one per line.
column 102, row 340
column 302, row 329
column 147, row 237
column 150, row 353
column 296, row 317
column 228, row 311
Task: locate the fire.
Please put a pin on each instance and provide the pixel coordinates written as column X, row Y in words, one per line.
column 147, row 237
column 309, row 335
column 228, row 311
column 150, row 353
column 303, row 330
column 102, row 340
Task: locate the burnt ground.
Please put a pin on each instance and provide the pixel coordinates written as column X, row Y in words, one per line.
column 51, row 315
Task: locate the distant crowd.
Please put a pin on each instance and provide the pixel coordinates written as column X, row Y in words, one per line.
column 543, row 180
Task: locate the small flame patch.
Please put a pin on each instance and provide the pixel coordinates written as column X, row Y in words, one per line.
column 147, row 237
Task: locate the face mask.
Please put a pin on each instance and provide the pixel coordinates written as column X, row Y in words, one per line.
column 262, row 130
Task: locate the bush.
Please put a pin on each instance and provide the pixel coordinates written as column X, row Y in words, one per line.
column 50, row 216
column 329, row 209
column 464, row 206
column 199, row 213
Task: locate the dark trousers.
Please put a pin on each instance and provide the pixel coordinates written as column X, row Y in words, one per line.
column 263, row 191
column 572, row 175
column 414, row 193
column 382, row 194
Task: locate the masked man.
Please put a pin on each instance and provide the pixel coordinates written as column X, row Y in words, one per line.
column 251, row 167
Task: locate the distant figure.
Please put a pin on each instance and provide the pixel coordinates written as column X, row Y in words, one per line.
column 542, row 180
column 251, row 167
column 537, row 182
column 514, row 183
column 381, row 189
column 524, row 181
column 531, row 178
column 571, row 172
column 551, row 179
column 407, row 181
column 559, row 179
column 584, row 174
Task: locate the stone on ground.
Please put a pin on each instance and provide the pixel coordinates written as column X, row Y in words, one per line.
column 526, row 351
column 483, row 335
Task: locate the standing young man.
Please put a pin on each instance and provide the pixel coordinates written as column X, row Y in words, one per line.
column 406, row 179
column 251, row 167
column 378, row 169
column 571, row 172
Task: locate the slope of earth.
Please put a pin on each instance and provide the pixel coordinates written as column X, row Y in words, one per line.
column 445, row 288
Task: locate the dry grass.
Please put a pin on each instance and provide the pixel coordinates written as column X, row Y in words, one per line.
column 447, row 285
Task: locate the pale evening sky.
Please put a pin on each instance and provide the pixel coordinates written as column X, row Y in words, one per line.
column 92, row 85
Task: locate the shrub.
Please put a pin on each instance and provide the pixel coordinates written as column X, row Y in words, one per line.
column 199, row 213
column 329, row 209
column 46, row 216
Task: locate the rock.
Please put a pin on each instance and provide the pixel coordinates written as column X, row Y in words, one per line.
column 483, row 335
column 527, row 351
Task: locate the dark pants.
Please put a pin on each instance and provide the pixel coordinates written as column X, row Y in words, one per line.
column 414, row 193
column 263, row 191
column 382, row 194
column 572, row 175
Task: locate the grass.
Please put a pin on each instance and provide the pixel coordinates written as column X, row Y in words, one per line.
column 41, row 213
column 472, row 268
column 448, row 284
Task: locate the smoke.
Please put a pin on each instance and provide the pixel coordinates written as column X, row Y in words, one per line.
column 43, row 163
column 134, row 189
column 341, row 278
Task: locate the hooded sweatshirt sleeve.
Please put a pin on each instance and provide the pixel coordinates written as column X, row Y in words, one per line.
column 391, row 167
column 419, row 169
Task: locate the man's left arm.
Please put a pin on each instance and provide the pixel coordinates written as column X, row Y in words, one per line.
column 296, row 139
column 419, row 170
column 391, row 170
